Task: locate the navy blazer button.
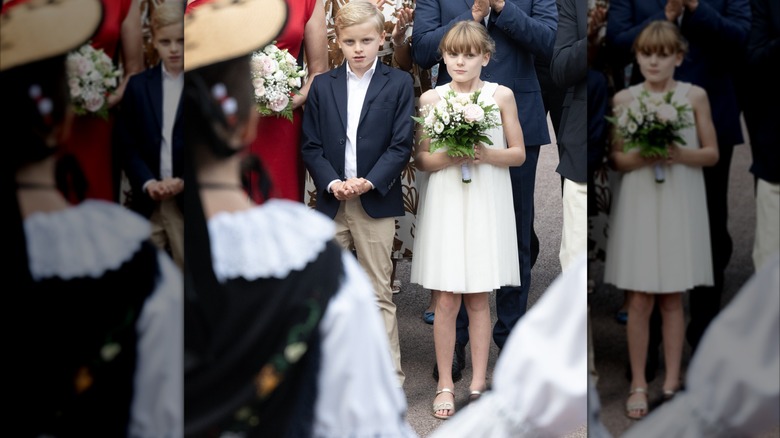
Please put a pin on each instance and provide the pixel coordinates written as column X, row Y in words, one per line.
column 341, row 141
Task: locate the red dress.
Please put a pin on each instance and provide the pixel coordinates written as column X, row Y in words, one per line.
column 277, row 143
column 90, row 136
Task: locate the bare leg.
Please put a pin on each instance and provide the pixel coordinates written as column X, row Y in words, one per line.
column 447, row 308
column 478, row 308
column 674, row 335
column 637, row 333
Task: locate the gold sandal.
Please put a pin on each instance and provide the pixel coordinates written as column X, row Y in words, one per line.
column 449, row 406
column 637, row 405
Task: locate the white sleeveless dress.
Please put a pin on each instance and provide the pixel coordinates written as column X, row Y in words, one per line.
column 466, row 241
column 659, row 239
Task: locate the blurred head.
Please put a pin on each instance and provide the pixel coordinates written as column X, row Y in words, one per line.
column 360, row 34
column 168, row 35
column 220, row 37
column 36, row 37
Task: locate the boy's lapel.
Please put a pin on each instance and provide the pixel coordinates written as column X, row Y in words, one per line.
column 154, row 89
column 339, row 85
column 378, row 82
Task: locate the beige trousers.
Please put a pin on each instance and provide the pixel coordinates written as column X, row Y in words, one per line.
column 372, row 240
column 168, row 230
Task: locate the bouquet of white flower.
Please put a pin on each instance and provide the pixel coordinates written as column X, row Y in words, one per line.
column 276, row 78
column 458, row 122
column 652, row 124
column 92, row 76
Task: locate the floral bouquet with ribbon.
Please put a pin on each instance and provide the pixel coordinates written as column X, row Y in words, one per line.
column 458, row 122
column 92, row 77
column 276, row 78
column 651, row 124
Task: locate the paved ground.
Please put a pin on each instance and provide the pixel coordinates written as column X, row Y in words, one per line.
column 609, row 336
column 417, row 337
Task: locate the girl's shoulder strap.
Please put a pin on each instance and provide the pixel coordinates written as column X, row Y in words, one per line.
column 681, row 91
column 635, row 90
column 489, row 89
column 442, row 90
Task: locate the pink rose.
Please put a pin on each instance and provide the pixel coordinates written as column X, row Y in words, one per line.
column 473, row 113
column 279, row 104
column 93, row 102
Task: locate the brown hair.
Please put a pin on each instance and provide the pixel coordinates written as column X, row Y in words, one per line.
column 660, row 36
column 465, row 36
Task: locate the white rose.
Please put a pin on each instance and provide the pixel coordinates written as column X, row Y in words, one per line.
column 259, row 90
column 280, row 76
column 270, row 49
column 110, row 82
column 666, row 113
column 473, row 113
column 75, row 90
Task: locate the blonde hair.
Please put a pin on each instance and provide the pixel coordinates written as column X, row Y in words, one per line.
column 168, row 13
column 358, row 12
column 465, row 36
column 662, row 37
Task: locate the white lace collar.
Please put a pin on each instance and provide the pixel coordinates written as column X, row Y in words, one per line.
column 85, row 240
column 267, row 241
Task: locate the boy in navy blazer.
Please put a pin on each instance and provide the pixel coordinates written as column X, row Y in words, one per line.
column 151, row 133
column 357, row 137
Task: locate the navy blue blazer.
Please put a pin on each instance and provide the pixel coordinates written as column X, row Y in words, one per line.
column 569, row 70
column 384, row 137
column 524, row 29
column 717, row 34
column 140, row 134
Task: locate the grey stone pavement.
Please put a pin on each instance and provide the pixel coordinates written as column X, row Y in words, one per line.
column 609, row 338
column 416, row 337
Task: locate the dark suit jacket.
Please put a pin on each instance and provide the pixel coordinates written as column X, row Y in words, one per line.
column 140, row 124
column 523, row 30
column 384, row 137
column 570, row 70
column 761, row 94
column 717, row 34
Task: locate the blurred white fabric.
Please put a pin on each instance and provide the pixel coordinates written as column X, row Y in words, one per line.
column 540, row 385
column 733, row 382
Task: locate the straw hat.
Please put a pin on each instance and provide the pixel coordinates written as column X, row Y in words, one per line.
column 225, row 29
column 39, row 29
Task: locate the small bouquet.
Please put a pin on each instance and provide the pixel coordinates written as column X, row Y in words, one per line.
column 652, row 124
column 276, row 77
column 92, row 77
column 458, row 122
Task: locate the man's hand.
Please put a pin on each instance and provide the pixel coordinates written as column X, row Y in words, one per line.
column 480, row 10
column 497, row 5
column 673, row 10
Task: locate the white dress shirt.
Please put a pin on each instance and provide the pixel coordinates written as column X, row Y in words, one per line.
column 172, row 88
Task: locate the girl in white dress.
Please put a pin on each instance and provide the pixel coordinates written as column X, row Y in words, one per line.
column 659, row 234
column 465, row 245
